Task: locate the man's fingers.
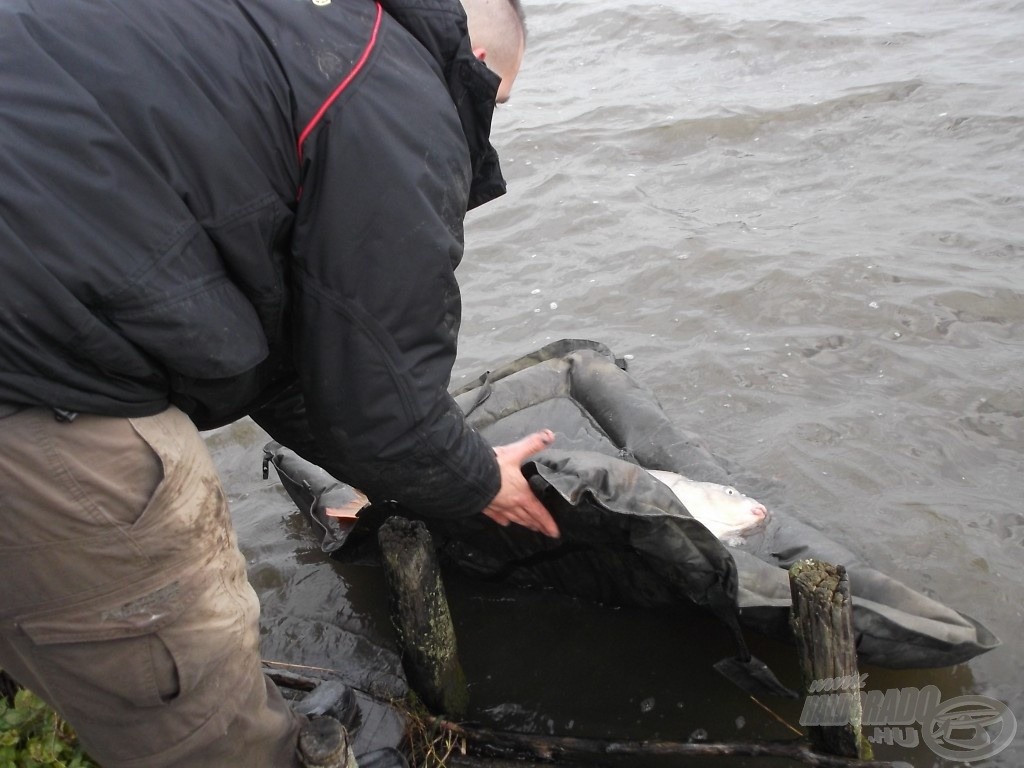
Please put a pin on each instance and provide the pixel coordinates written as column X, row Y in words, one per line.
column 537, row 519
column 515, row 501
column 529, row 445
column 546, row 523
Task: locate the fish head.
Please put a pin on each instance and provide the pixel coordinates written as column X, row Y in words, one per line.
column 722, row 509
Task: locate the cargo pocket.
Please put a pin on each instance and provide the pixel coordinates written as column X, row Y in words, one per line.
column 103, row 660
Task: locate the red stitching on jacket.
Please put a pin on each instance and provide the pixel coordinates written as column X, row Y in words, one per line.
column 341, row 86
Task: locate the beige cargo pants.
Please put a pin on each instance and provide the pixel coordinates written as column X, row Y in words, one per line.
column 123, row 596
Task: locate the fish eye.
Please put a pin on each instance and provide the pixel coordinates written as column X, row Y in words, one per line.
column 731, row 491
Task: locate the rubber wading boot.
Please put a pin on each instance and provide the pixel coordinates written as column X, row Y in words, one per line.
column 324, row 743
column 332, row 698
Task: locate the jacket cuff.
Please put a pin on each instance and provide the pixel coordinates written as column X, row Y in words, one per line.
column 458, row 483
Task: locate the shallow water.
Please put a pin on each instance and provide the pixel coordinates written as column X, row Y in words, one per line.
column 803, row 225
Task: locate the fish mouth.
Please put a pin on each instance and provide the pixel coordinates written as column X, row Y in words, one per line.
column 759, row 514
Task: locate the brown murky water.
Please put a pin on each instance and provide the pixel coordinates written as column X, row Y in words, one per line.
column 804, row 225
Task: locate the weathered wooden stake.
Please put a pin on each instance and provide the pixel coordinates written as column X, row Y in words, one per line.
column 419, row 610
column 822, row 622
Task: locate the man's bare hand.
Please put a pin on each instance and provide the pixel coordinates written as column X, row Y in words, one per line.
column 515, row 502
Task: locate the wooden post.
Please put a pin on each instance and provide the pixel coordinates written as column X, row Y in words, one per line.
column 822, row 622
column 419, row 610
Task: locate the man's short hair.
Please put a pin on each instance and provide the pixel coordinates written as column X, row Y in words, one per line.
column 497, row 25
column 517, row 6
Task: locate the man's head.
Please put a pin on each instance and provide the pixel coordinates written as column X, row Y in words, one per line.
column 497, row 31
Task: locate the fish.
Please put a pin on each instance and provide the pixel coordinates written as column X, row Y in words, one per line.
column 729, row 515
column 722, row 509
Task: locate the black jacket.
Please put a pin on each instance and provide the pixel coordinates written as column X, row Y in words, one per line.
column 249, row 206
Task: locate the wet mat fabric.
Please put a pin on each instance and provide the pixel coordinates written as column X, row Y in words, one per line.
column 626, row 538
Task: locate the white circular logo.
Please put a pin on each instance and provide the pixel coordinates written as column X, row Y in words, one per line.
column 969, row 728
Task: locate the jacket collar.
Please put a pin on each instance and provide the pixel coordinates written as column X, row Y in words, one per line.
column 441, row 27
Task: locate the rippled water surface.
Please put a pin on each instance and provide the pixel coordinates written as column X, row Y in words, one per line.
column 803, row 223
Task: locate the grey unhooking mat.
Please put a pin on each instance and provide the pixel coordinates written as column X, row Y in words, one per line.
column 627, row 539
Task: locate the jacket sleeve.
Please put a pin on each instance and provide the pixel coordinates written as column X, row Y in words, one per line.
column 376, row 308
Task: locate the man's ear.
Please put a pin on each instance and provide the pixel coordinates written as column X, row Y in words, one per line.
column 480, row 53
